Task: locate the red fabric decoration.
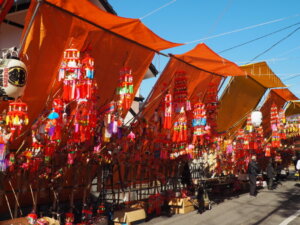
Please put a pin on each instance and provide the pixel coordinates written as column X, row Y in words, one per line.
column 168, row 112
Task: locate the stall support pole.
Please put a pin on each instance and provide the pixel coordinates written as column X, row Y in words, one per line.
column 39, row 3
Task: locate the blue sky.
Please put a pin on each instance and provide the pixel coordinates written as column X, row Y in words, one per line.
column 184, row 21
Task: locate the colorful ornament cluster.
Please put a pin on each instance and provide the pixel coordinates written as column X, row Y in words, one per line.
column 79, row 130
column 180, row 92
column 275, row 124
column 77, row 75
column 12, row 123
column 125, row 89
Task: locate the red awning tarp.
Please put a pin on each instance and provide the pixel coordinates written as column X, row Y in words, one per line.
column 285, row 94
column 239, row 99
column 199, row 64
column 279, row 97
column 113, row 41
column 263, row 74
column 293, row 108
column 243, row 95
column 206, row 59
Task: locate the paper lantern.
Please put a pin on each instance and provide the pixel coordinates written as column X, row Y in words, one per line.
column 13, row 77
column 256, row 118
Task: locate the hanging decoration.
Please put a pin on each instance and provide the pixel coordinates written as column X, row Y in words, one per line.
column 199, row 123
column 268, row 150
column 282, row 124
column 69, row 218
column 211, row 102
column 82, row 134
column 17, row 116
column 180, row 127
column 249, row 126
column 275, row 139
column 168, row 111
column 32, row 218
column 70, row 73
column 125, row 89
column 180, row 92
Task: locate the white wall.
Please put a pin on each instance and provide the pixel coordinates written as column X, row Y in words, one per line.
column 10, row 35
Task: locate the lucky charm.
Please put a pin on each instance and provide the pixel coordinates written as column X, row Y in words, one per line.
column 180, row 128
column 69, row 218
column 4, row 137
column 199, row 122
column 125, row 89
column 70, row 72
column 180, row 93
column 32, row 218
column 168, row 111
column 88, row 66
column 17, row 116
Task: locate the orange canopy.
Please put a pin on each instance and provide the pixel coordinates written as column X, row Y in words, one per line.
column 203, row 58
column 285, row 94
column 266, row 108
column 239, row 99
column 132, row 29
column 279, row 97
column 243, row 95
column 263, row 74
column 199, row 64
column 293, row 108
column 113, row 41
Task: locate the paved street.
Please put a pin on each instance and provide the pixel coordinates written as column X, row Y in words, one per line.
column 278, row 207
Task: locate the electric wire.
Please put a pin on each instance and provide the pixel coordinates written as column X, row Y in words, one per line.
column 219, row 18
column 156, row 10
column 275, row 44
column 258, row 38
column 294, row 76
column 242, row 29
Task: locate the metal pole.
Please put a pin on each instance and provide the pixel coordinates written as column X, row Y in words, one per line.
column 39, row 3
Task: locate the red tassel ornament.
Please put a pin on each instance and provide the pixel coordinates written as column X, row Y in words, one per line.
column 125, row 89
column 17, row 116
column 180, row 128
column 168, row 112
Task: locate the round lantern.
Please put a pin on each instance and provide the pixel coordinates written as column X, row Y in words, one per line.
column 256, row 118
column 13, row 77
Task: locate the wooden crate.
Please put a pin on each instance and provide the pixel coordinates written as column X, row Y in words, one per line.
column 181, row 205
column 128, row 216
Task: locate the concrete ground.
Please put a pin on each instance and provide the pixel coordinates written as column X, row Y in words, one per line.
column 271, row 207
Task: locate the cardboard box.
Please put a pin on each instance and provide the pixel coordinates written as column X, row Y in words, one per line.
column 181, row 205
column 129, row 215
column 17, row 221
column 138, row 205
